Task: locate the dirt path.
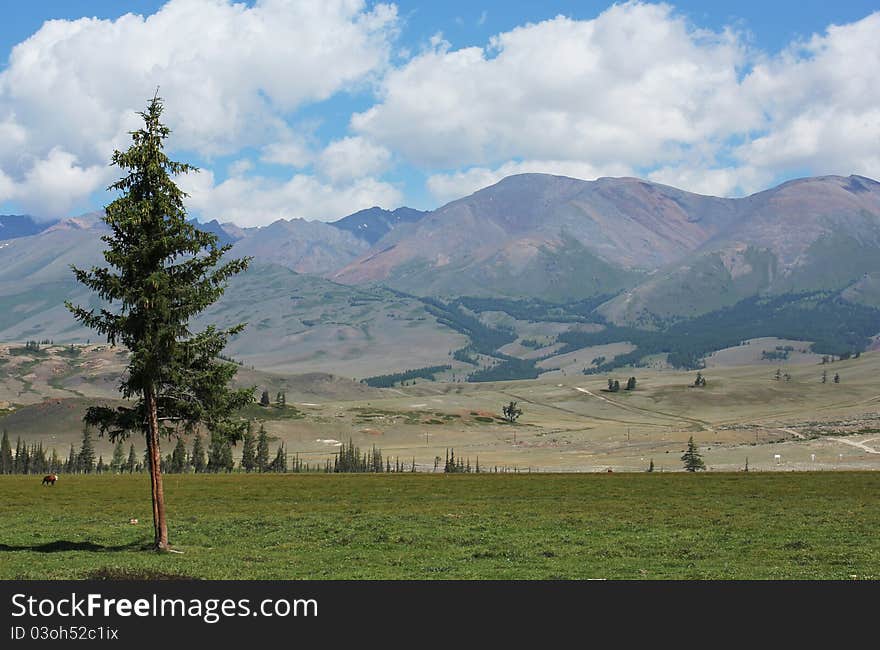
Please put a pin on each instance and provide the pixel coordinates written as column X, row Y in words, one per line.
column 577, row 413
column 796, row 434
column 604, row 399
column 860, row 445
column 638, row 409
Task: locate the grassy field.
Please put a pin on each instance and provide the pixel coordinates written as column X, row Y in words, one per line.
column 820, row 525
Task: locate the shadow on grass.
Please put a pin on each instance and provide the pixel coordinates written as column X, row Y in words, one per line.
column 61, row 546
column 102, row 573
column 115, row 573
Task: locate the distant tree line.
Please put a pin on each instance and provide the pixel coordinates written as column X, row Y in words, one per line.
column 533, row 309
column 779, row 353
column 387, row 381
column 216, row 458
column 483, row 338
column 836, row 326
column 31, row 347
column 508, row 369
column 466, row 355
column 36, row 459
column 26, row 459
column 459, row 465
column 230, row 359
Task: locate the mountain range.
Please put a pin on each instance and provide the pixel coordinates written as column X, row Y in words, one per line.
column 624, row 251
column 666, row 252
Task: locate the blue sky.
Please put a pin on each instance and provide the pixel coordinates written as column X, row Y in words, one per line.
column 773, row 24
column 295, row 112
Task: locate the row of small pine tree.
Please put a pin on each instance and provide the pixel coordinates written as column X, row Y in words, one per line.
column 217, row 458
column 349, row 459
column 255, row 458
column 460, row 466
column 35, row 459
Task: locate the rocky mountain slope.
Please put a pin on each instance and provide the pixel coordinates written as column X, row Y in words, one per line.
column 670, row 253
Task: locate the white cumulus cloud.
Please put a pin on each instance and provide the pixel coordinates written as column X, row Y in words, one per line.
column 291, row 152
column 351, row 158
column 258, row 200
column 635, row 86
column 642, row 88
column 725, row 181
column 822, row 101
column 51, row 183
column 230, row 74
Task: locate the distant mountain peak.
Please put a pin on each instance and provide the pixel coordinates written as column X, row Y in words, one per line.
column 371, row 224
column 224, row 235
column 87, row 221
column 13, row 226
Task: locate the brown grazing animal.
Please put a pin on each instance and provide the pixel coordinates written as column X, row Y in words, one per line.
column 50, row 479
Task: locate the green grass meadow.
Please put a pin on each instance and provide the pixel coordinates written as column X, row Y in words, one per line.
column 506, row 526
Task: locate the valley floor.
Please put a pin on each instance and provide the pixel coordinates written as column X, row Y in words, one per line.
column 743, row 417
column 570, row 423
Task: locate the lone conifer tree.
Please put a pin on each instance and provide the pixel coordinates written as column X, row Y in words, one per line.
column 511, row 412
column 131, row 463
column 118, row 459
column 86, row 457
column 691, row 457
column 220, row 455
column 262, row 459
column 55, row 463
column 279, row 465
column 178, row 458
column 249, row 452
column 70, row 466
column 6, row 460
column 197, row 457
column 163, row 271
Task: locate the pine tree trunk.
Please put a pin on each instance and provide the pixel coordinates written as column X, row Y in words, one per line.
column 160, row 526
